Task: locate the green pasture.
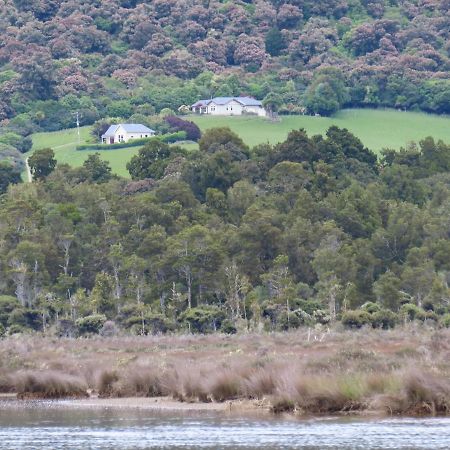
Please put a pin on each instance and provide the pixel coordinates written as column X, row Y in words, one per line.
column 376, row 128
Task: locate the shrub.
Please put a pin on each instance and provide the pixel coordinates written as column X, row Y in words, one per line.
column 158, row 324
column 49, row 385
column 289, row 321
column 192, row 131
column 228, row 327
column 7, row 306
column 203, row 319
column 356, row 319
column 167, row 138
column 445, row 320
column 90, row 324
column 66, row 328
column 410, row 311
column 371, row 307
column 109, row 329
column 384, row 318
column 26, row 318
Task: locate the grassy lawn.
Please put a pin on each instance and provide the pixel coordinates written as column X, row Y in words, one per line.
column 64, row 143
column 376, row 128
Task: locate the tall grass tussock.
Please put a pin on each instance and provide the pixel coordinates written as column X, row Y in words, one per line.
column 344, row 372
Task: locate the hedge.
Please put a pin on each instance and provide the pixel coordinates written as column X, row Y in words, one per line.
column 167, row 138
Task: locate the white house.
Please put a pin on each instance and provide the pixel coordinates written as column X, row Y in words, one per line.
column 123, row 132
column 229, row 106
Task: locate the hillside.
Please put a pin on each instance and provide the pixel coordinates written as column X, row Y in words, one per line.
column 128, row 60
column 377, row 129
column 126, row 57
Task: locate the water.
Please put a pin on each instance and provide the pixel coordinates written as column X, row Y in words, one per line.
column 38, row 425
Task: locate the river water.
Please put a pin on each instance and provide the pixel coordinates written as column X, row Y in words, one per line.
column 41, row 425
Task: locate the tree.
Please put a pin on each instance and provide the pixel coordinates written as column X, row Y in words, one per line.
column 98, row 171
column 271, row 103
column 327, row 93
column 214, row 138
column 42, row 163
column 150, row 162
column 8, row 175
column 275, row 42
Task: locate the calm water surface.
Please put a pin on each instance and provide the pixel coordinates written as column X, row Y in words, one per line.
column 40, row 425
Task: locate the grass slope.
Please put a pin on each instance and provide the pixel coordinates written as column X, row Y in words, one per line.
column 376, row 128
column 64, row 144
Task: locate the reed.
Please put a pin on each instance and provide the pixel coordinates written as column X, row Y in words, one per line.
column 402, row 371
column 49, row 385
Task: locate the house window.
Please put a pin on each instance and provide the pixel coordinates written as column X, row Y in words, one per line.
column 213, row 108
column 146, row 135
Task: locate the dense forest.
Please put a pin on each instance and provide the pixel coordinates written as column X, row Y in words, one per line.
column 120, row 58
column 310, row 231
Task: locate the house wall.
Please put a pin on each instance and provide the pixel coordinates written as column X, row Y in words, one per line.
column 256, row 110
column 127, row 136
column 232, row 108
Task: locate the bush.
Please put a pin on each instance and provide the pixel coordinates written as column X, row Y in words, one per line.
column 445, row 320
column 90, row 324
column 109, row 329
column 158, row 324
column 167, row 138
column 25, row 318
column 192, row 130
column 66, row 328
column 228, row 327
column 384, row 319
column 410, row 311
column 203, row 319
column 356, row 319
column 7, row 306
column 371, row 307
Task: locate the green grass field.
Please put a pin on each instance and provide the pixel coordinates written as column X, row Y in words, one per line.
column 64, row 144
column 376, row 128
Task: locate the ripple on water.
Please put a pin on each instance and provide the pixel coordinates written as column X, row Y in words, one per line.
column 109, row 428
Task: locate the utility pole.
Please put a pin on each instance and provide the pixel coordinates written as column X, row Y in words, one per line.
column 78, row 127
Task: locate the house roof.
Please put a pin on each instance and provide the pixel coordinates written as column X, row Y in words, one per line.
column 129, row 128
column 245, row 101
column 201, row 103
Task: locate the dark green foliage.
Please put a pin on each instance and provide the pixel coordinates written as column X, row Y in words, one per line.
column 42, row 163
column 327, row 93
column 356, row 319
column 216, row 138
column 90, row 324
column 307, row 232
column 25, row 318
column 167, row 138
column 97, row 171
column 151, row 161
column 7, row 305
column 8, row 175
column 384, row 318
column 274, row 42
column 203, row 319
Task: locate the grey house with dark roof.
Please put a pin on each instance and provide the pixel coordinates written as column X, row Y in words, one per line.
column 229, row 106
column 123, row 132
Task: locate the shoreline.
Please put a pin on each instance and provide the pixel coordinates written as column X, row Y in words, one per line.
column 169, row 405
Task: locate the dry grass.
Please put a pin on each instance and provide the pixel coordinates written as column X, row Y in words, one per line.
column 49, row 385
column 402, row 371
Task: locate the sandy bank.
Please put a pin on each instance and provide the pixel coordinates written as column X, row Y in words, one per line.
column 167, row 404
